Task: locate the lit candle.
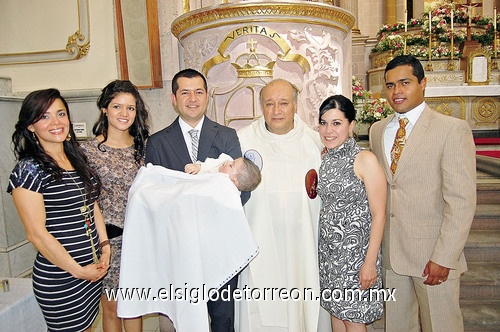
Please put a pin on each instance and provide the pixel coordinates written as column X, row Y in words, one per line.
column 406, row 20
column 430, row 23
column 430, row 36
column 495, row 20
column 452, row 14
column 495, row 31
column 452, row 48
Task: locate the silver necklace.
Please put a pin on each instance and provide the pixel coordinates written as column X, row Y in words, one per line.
column 85, row 211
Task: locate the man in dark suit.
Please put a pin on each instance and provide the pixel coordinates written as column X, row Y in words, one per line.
column 175, row 146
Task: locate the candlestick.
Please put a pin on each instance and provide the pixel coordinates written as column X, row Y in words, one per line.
column 452, row 50
column 430, row 47
column 495, row 33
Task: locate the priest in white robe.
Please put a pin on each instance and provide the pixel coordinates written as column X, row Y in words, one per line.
column 283, row 219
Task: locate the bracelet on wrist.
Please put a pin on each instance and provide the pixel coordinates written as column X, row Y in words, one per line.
column 104, row 243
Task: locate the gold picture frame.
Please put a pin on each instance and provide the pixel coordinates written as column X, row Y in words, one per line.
column 76, row 46
column 479, row 67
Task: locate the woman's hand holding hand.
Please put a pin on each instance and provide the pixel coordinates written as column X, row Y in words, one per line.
column 367, row 275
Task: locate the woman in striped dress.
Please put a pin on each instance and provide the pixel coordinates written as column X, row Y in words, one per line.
column 54, row 191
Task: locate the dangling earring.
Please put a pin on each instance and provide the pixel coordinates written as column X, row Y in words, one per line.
column 35, row 138
column 68, row 138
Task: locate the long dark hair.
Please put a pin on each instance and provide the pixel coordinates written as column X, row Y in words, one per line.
column 139, row 130
column 26, row 144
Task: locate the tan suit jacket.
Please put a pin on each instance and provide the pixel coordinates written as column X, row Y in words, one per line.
column 431, row 198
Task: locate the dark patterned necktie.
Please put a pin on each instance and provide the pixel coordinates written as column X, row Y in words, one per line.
column 399, row 143
column 194, row 144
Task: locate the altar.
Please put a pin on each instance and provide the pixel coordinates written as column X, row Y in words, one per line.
column 447, row 93
column 478, row 105
column 460, row 56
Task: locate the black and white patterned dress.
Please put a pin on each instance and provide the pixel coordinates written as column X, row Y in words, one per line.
column 67, row 303
column 345, row 223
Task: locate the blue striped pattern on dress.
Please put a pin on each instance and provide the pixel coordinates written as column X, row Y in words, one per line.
column 67, row 303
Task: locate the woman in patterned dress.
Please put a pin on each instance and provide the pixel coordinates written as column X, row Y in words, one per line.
column 117, row 153
column 352, row 187
column 54, row 191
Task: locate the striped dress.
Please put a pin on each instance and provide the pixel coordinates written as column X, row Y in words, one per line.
column 67, row 303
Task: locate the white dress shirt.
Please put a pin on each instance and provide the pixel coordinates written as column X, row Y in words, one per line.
column 185, row 128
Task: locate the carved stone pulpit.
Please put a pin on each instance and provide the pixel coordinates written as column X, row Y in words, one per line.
column 241, row 46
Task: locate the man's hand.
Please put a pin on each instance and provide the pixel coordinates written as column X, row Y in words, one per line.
column 192, row 168
column 435, row 273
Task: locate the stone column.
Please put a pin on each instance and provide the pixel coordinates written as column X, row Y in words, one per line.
column 352, row 6
column 418, row 8
column 391, row 11
column 240, row 46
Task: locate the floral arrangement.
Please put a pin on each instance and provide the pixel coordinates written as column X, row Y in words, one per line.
column 391, row 36
column 387, row 28
column 389, row 42
column 359, row 93
column 372, row 109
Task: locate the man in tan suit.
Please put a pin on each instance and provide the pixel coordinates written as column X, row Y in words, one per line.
column 431, row 201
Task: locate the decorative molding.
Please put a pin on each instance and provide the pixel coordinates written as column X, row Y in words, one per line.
column 444, row 105
column 324, row 53
column 239, row 13
column 319, row 65
column 77, row 45
column 255, row 69
column 195, row 51
column 379, row 60
column 444, row 78
column 486, row 110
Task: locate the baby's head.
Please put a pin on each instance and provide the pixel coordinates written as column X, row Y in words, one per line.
column 243, row 172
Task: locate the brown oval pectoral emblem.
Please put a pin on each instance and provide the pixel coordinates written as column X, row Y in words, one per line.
column 311, row 183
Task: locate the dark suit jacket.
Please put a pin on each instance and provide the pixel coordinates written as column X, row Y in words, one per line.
column 167, row 147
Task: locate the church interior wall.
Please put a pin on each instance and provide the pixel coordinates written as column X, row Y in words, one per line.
column 90, row 72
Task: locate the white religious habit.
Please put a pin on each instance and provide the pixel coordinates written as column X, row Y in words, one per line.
column 284, row 222
column 183, row 236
